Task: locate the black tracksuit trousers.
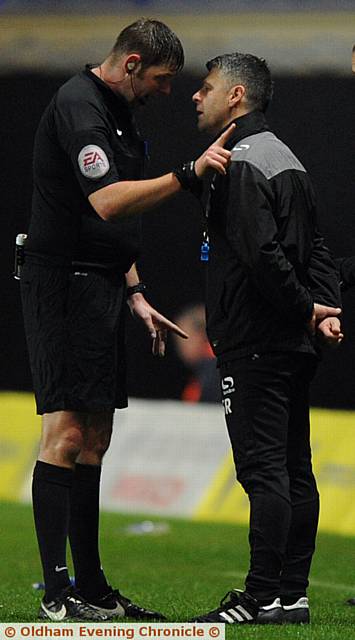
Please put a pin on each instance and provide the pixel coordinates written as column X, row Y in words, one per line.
column 266, row 401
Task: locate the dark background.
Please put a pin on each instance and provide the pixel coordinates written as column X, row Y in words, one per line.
column 314, row 115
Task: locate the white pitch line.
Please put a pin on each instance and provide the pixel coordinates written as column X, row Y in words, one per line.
column 337, row 586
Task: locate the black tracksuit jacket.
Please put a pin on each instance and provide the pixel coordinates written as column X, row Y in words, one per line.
column 268, row 263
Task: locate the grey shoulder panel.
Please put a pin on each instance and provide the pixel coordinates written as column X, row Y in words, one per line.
column 267, row 153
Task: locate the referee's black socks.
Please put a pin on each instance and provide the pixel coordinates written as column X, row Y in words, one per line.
column 84, row 532
column 51, row 487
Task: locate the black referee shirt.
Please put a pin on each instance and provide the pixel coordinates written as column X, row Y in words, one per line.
column 85, row 141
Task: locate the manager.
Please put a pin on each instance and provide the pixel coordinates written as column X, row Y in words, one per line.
column 271, row 284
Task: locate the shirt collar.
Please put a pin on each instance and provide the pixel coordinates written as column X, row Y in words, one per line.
column 116, row 99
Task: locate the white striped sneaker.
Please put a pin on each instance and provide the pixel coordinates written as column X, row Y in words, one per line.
column 297, row 612
column 270, row 613
column 241, row 608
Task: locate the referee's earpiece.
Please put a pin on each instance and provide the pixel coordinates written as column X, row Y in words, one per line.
column 130, row 67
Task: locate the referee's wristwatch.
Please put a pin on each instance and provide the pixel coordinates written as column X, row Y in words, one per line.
column 136, row 288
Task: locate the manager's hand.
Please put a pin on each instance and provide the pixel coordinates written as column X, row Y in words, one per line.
column 157, row 325
column 320, row 312
column 329, row 330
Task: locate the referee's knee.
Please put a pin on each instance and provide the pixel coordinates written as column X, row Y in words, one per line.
column 61, row 444
column 69, row 445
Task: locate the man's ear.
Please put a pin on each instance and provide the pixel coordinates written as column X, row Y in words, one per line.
column 132, row 63
column 236, row 94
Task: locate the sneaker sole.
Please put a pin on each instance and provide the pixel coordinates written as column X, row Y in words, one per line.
column 297, row 616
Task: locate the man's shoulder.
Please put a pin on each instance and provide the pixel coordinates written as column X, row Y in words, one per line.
column 77, row 104
column 77, row 89
column 267, row 153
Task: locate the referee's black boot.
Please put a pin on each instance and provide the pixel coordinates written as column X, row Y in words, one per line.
column 242, row 608
column 69, row 605
column 115, row 605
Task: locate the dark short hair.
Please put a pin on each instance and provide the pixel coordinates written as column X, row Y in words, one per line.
column 156, row 43
column 250, row 71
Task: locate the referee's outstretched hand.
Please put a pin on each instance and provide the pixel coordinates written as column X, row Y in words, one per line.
column 157, row 324
column 215, row 158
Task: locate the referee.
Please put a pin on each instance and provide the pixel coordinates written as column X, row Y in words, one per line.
column 83, row 240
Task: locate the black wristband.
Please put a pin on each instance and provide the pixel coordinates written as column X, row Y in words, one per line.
column 136, row 288
column 188, row 179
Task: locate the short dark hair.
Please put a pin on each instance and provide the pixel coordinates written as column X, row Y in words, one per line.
column 250, row 71
column 156, row 43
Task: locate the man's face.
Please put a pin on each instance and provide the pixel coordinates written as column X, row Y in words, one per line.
column 152, row 81
column 212, row 103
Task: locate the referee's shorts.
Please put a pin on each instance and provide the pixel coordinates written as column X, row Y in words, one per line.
column 75, row 329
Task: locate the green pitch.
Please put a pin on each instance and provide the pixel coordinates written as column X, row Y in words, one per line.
column 181, row 572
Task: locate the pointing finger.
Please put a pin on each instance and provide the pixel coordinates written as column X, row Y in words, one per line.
column 225, row 135
column 171, row 326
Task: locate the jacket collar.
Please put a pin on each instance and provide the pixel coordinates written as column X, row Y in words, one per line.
column 247, row 125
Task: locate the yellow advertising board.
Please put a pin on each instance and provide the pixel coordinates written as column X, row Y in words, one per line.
column 333, row 443
column 19, row 436
column 208, row 480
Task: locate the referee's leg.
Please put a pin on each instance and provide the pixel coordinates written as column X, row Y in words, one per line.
column 84, row 507
column 66, row 492
column 61, row 442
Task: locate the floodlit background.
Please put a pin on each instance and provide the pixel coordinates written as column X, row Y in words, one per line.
column 308, row 46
